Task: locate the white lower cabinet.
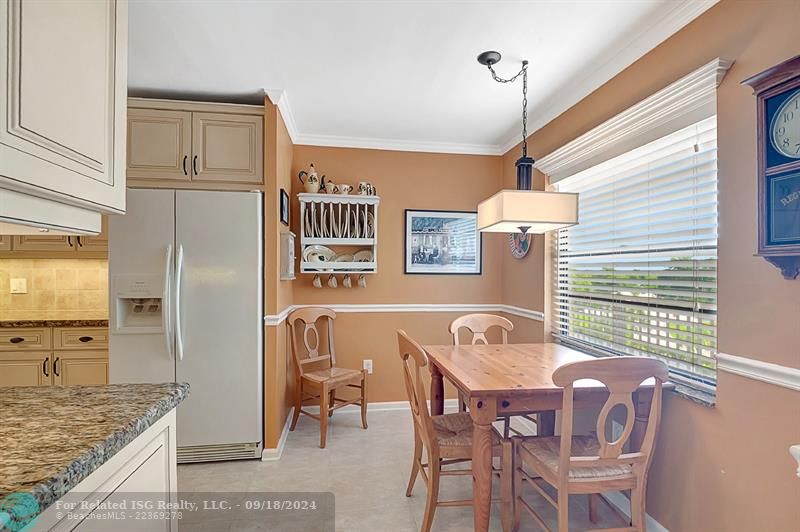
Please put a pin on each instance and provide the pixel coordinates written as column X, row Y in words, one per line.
column 144, row 470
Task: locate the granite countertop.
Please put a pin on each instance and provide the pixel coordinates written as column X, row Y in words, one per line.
column 52, row 437
column 5, row 324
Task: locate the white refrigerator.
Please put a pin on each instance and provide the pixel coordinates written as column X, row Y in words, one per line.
column 186, row 305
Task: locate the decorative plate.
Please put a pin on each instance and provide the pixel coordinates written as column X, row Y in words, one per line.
column 520, row 244
column 318, row 254
column 363, row 256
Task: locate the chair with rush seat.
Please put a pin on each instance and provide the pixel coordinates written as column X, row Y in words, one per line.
column 317, row 377
column 446, row 438
column 478, row 325
column 592, row 464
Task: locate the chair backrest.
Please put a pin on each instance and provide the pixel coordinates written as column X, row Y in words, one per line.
column 478, row 324
column 414, row 359
column 622, row 376
column 311, row 354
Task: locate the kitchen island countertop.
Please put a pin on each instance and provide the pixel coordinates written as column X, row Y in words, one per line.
column 52, row 437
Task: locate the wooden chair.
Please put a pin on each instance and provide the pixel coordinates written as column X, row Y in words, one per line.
column 317, row 376
column 593, row 464
column 478, row 325
column 446, row 438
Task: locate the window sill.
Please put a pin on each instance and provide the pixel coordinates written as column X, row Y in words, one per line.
column 702, row 398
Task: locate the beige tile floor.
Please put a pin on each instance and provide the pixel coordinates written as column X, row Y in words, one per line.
column 367, row 471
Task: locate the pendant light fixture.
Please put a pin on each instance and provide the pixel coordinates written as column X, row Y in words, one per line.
column 524, row 210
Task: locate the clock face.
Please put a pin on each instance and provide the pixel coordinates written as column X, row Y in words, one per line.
column 785, row 127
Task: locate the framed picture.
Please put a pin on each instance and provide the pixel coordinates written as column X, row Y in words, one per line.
column 284, row 207
column 442, row 242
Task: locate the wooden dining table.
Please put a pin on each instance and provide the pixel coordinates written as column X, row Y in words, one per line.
column 512, row 379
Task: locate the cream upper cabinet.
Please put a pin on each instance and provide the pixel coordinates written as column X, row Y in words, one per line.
column 92, row 244
column 5, row 242
column 227, row 147
column 195, row 142
column 159, row 144
column 63, row 102
column 46, row 242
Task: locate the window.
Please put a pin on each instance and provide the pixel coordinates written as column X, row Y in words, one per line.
column 638, row 275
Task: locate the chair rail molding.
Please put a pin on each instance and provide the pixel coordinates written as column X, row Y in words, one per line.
column 273, row 320
column 684, row 102
column 761, row 371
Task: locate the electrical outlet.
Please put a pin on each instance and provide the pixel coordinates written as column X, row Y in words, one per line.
column 368, row 365
column 19, row 286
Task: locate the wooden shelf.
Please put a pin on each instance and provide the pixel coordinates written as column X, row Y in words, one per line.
column 314, row 205
column 338, row 242
column 338, row 267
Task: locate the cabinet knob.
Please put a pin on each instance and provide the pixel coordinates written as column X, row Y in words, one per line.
column 85, row 339
column 17, row 340
column 184, row 165
column 194, row 164
column 56, row 369
column 45, row 367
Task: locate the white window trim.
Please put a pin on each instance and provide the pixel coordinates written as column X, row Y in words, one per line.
column 687, row 101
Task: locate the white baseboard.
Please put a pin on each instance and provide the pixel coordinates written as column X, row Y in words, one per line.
column 270, row 454
column 387, row 406
column 623, row 504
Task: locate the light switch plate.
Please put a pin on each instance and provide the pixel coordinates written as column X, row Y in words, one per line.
column 19, row 286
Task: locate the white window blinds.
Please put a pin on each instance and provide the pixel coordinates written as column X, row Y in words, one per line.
column 638, row 275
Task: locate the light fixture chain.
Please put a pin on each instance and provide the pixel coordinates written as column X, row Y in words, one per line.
column 524, row 73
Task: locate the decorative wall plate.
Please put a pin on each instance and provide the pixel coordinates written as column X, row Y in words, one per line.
column 520, row 244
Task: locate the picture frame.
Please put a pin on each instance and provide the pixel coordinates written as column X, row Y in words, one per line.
column 284, row 206
column 442, row 243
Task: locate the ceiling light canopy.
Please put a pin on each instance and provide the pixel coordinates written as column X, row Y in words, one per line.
column 524, row 210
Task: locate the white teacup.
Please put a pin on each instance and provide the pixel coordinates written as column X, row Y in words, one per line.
column 344, row 189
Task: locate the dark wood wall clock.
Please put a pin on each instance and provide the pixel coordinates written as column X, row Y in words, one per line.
column 777, row 92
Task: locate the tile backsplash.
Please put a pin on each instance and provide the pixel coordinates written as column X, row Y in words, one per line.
column 57, row 289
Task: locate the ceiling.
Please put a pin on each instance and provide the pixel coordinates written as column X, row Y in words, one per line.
column 395, row 74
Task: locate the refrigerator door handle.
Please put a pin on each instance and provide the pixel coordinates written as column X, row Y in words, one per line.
column 178, row 283
column 166, row 308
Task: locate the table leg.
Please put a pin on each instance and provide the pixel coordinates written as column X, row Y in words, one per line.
column 483, row 412
column 641, row 402
column 546, row 423
column 437, row 391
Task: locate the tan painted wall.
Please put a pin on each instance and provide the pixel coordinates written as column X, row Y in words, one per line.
column 404, row 181
column 727, row 468
column 278, row 150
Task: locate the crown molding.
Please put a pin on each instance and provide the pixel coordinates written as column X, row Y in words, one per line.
column 688, row 100
column 612, row 63
column 761, row 371
column 399, row 145
column 280, row 99
column 273, row 320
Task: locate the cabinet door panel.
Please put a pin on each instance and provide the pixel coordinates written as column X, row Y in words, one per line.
column 80, row 367
column 25, row 369
column 94, row 244
column 5, row 242
column 63, row 100
column 227, row 148
column 159, row 144
column 45, row 242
